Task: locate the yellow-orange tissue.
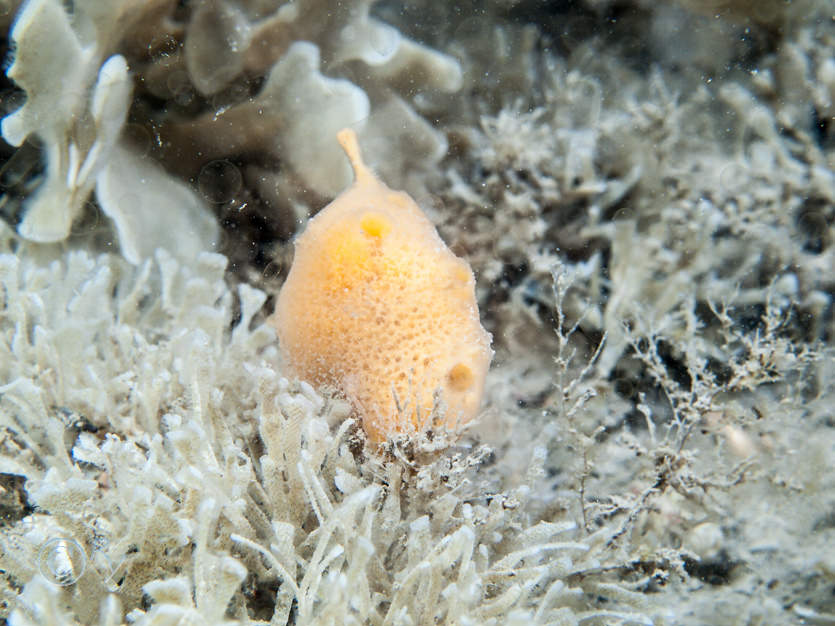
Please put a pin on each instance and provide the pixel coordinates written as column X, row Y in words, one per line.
column 378, row 307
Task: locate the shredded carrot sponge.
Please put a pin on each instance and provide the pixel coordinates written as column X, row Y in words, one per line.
column 378, row 307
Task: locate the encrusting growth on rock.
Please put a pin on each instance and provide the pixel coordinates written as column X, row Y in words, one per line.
column 378, row 307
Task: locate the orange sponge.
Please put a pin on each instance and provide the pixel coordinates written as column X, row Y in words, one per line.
column 378, row 307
